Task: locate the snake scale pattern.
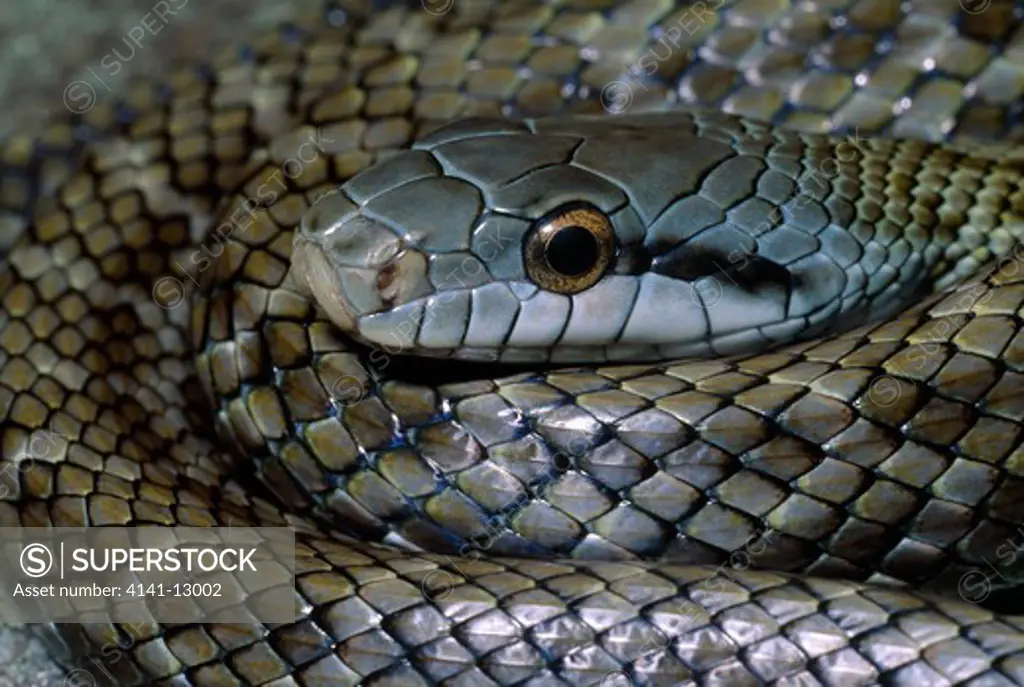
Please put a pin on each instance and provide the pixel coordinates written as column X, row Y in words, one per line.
column 801, row 516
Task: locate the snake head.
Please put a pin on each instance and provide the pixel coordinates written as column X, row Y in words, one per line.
column 579, row 239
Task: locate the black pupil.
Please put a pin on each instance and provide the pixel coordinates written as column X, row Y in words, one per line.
column 571, row 251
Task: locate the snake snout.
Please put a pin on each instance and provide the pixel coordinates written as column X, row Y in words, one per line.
column 353, row 265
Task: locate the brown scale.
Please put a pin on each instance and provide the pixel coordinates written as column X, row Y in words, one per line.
column 90, row 350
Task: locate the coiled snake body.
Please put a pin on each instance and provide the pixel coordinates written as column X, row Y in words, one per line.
column 738, row 518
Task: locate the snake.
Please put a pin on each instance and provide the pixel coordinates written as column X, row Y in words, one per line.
column 580, row 343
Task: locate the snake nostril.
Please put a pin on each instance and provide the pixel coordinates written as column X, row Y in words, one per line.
column 385, row 279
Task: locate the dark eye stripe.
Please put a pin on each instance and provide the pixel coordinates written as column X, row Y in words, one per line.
column 749, row 272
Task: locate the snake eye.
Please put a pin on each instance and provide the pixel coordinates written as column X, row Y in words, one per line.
column 569, row 250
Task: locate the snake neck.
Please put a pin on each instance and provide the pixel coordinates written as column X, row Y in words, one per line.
column 976, row 194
